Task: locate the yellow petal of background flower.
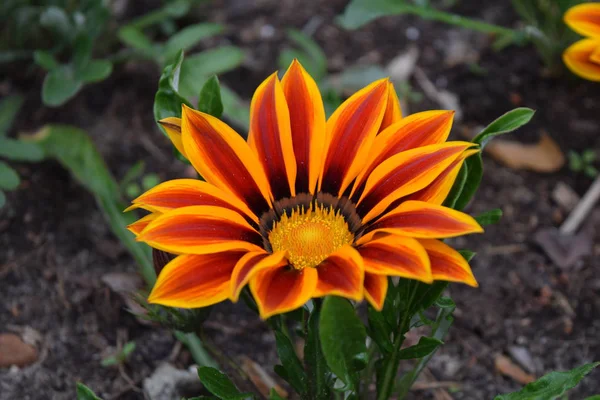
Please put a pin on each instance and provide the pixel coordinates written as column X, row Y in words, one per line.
column 341, row 274
column 282, row 289
column 249, row 265
column 224, row 159
column 580, row 56
column 423, row 220
column 179, row 193
column 307, row 121
column 584, row 19
column 271, row 138
column 447, row 264
column 395, row 255
column 172, row 126
column 201, row 230
column 191, row 281
column 351, row 131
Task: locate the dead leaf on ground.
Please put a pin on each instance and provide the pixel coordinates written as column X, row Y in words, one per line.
column 505, row 366
column 543, row 156
column 564, row 250
column 261, row 379
column 126, row 285
column 14, row 351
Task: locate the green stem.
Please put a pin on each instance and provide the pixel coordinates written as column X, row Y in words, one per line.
column 391, row 367
column 464, row 22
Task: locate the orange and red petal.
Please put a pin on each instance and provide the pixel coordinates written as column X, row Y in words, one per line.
column 281, row 289
column 416, row 130
column 350, row 134
column 172, row 125
column 395, row 255
column 404, row 174
column 138, row 226
column 191, row 281
column 179, row 193
column 341, row 274
column 224, row 159
column 422, row 220
column 271, row 138
column 201, row 230
column 584, row 19
column 375, row 289
column 250, row 264
column 307, row 122
column 393, row 111
column 447, row 264
column 437, row 191
column 583, row 59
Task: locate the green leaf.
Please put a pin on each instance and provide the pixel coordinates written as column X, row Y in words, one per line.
column 219, row 384
column 189, row 37
column 168, row 102
column 359, row 76
column 73, row 148
column 588, row 156
column 575, row 161
column 18, row 150
column 135, row 38
column 427, row 294
column 82, row 51
column 343, row 339
column 489, row 217
column 59, row 86
column 474, row 167
column 210, row 98
column 56, row 19
column 595, row 397
column 149, row 181
column 234, row 108
column 296, row 376
column 2, row 199
column 379, row 331
column 173, row 9
column 313, row 57
column 551, row 386
column 197, row 68
column 109, row 361
column 273, row 395
column 85, row 393
column 45, row 60
column 590, row 171
column 95, row 71
column 439, row 330
column 128, row 349
column 9, row 179
column 313, row 357
column 9, row 108
column 133, row 173
column 425, row 347
column 467, row 254
column 508, row 122
column 360, row 12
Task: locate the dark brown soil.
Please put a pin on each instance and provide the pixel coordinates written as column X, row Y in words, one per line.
column 56, row 246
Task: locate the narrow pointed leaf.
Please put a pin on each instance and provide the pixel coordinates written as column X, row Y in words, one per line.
column 508, row 122
column 210, row 98
column 85, row 393
column 291, row 363
column 425, row 347
column 489, row 217
column 551, row 386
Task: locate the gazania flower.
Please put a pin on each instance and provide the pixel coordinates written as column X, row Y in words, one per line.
column 583, row 57
column 307, row 207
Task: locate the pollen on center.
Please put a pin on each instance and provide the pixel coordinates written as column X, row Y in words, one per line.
column 310, row 235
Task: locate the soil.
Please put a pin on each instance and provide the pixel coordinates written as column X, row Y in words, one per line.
column 56, row 246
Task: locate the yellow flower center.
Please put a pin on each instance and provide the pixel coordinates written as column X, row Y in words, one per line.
column 311, row 235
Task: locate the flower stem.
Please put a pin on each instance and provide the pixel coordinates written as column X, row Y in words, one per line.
column 464, row 22
column 391, row 367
